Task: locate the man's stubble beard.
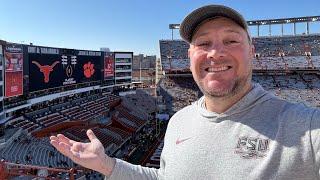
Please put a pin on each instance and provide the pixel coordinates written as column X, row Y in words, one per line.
column 237, row 86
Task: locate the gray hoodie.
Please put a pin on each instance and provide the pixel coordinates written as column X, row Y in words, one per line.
column 259, row 137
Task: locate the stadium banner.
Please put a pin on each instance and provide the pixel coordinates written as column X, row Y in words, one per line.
column 13, row 55
column 55, row 67
column 109, row 66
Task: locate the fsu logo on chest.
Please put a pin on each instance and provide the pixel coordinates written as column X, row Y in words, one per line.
column 252, row 148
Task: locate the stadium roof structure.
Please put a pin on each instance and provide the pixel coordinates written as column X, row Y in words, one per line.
column 282, row 21
column 270, row 21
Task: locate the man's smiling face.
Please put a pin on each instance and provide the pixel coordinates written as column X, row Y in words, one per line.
column 221, row 57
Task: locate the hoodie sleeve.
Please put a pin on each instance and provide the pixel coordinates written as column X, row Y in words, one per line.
column 315, row 138
column 126, row 171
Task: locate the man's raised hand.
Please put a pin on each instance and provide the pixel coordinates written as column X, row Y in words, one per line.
column 90, row 155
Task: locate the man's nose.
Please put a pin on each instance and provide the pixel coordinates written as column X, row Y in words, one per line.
column 216, row 51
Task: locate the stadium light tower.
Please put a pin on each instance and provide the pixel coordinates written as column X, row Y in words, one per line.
column 172, row 27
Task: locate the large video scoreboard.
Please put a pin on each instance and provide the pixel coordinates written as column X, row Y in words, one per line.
column 31, row 68
column 55, row 67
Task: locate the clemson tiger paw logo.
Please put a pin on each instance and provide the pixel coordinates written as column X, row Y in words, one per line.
column 88, row 69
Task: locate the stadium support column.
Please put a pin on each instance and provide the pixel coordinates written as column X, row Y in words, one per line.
column 258, row 30
column 157, row 130
column 269, row 29
column 294, row 28
column 140, row 68
column 2, row 70
column 307, row 28
column 171, row 34
column 281, row 29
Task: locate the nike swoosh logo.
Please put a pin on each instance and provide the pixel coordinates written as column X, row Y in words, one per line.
column 178, row 141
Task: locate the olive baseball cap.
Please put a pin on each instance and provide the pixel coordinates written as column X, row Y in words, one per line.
column 202, row 14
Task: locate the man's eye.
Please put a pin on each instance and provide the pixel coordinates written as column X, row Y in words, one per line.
column 204, row 44
column 231, row 42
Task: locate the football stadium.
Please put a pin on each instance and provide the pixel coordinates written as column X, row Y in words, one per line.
column 50, row 90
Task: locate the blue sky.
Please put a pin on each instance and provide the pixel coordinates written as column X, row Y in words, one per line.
column 124, row 25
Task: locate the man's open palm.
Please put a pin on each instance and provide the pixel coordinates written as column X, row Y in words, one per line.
column 90, row 155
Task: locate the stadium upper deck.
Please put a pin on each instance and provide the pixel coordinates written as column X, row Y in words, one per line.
column 292, row 52
column 296, row 51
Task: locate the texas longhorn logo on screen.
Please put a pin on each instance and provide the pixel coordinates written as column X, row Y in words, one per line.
column 46, row 69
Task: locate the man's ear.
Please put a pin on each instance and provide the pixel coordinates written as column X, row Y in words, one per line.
column 252, row 51
column 189, row 55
